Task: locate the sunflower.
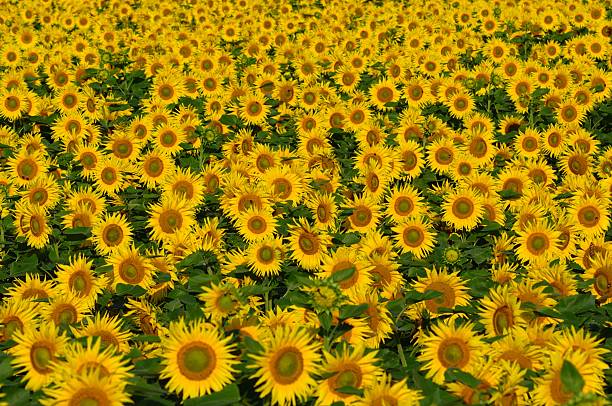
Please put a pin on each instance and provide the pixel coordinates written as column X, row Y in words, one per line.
column 111, row 232
column 377, row 317
column 253, row 109
column 168, row 88
column 154, row 167
column 382, row 93
column 265, row 257
column 517, row 348
column 385, row 392
column 365, row 214
column 16, row 316
column 550, row 388
column 32, row 223
column 88, row 388
column 64, row 309
column 599, row 270
column 441, row 154
column 527, row 143
column 418, row 93
column 283, row 184
column 79, row 279
column 12, row 104
column 108, row 329
column 404, row 202
column 25, row 167
column 346, row 259
column 590, row 216
column 171, row 216
column 346, row 367
column 448, row 346
column 196, row 359
column 168, row 137
column 411, row 159
column 308, row 244
column 452, row 288
column 286, row 368
column 32, row 288
column 109, row 175
column 186, row 185
column 463, row 209
column 460, row 105
column 323, row 209
column 220, row 301
column 130, row 267
column 87, row 198
column 538, row 241
column 501, row 311
column 35, row 353
column 570, row 113
column 88, row 157
column 124, row 146
column 256, row 224
column 42, row 192
column 415, row 235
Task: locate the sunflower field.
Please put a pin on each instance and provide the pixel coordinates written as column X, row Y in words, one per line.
column 305, row 202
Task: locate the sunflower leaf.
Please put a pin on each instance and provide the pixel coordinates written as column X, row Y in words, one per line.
column 230, row 395
column 571, row 378
column 343, row 274
column 455, row 374
column 350, row 311
column 350, row 390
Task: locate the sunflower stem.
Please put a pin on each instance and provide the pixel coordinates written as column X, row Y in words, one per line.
column 400, row 351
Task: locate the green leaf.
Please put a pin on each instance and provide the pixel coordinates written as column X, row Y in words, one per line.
column 571, row 379
column 124, row 289
column 350, row 390
column 509, row 194
column 343, row 274
column 195, row 258
column 325, row 319
column 455, row 374
column 350, row 311
column 230, row 395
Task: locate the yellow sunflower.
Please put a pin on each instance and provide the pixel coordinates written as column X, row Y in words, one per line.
column 449, row 346
column 550, row 388
column 590, row 216
column 196, row 359
column 255, row 225
column 404, row 202
column 88, row 388
column 285, row 370
column 308, row 244
column 385, row 392
column 415, row 235
column 108, row 329
column 365, row 214
column 463, row 209
column 266, row 257
column 35, row 354
column 78, row 278
column 111, row 232
column 31, row 222
column 346, row 259
column 130, row 267
column 91, row 357
column 171, row 216
column 253, row 109
column 16, row 316
column 538, row 241
column 346, row 367
column 452, row 288
column 501, row 311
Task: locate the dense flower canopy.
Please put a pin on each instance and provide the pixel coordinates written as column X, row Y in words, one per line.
column 305, row 202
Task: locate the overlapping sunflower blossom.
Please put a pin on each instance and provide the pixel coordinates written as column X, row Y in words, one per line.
column 324, row 203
